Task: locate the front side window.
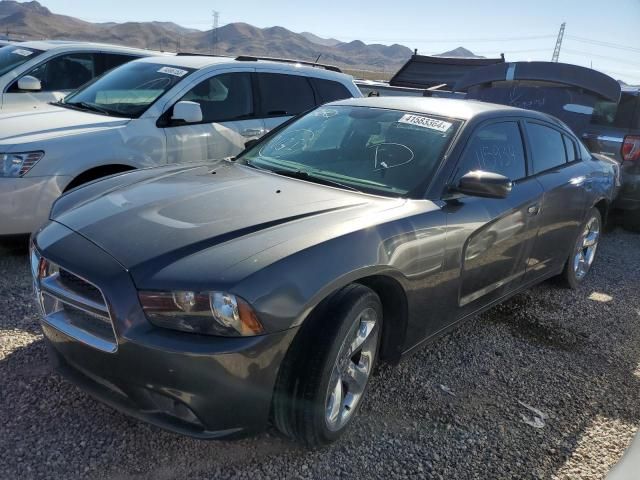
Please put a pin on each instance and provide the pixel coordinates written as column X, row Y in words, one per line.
column 65, row 72
column 496, row 148
column 547, row 147
column 382, row 151
column 284, row 95
column 13, row 56
column 128, row 90
column 223, row 98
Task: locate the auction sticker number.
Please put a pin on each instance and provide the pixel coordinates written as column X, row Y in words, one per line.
column 176, row 72
column 425, row 122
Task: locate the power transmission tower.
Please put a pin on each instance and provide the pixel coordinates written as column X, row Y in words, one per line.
column 214, row 31
column 556, row 51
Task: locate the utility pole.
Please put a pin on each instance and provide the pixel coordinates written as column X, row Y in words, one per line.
column 556, row 51
column 214, row 31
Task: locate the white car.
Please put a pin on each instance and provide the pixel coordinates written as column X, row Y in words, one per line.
column 149, row 112
column 32, row 74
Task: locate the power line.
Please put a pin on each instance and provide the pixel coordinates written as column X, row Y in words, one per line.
column 604, row 44
column 606, row 57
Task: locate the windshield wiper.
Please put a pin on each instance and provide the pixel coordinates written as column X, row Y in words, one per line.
column 304, row 175
column 86, row 106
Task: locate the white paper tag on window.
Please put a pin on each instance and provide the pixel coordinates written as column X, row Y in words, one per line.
column 425, row 122
column 176, row 72
column 23, row 52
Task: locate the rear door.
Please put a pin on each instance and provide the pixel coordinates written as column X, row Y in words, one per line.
column 555, row 163
column 282, row 96
column 229, row 119
column 498, row 234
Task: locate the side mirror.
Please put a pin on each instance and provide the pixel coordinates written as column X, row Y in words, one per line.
column 187, row 112
column 484, row 184
column 29, row 84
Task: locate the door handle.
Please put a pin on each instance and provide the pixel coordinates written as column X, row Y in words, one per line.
column 533, row 209
column 253, row 132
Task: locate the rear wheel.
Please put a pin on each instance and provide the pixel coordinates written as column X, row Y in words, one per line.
column 325, row 375
column 631, row 220
column 584, row 251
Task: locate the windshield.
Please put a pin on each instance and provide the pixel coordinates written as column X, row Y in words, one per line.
column 388, row 152
column 129, row 90
column 13, row 56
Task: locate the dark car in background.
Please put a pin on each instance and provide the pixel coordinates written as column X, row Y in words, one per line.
column 211, row 299
column 615, row 131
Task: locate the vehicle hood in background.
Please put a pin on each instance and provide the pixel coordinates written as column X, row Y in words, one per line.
column 25, row 127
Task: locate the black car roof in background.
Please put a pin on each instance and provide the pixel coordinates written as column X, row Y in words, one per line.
column 422, row 71
column 445, row 107
column 562, row 73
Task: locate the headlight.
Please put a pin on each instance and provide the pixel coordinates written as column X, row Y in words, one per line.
column 18, row 164
column 210, row 313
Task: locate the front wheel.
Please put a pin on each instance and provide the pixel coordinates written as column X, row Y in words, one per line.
column 584, row 251
column 324, row 378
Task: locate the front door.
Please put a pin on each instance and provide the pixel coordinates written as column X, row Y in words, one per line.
column 493, row 237
column 58, row 77
column 227, row 104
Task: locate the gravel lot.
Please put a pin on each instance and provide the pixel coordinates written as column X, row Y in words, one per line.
column 573, row 356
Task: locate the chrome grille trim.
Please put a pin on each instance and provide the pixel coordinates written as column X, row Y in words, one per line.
column 65, row 309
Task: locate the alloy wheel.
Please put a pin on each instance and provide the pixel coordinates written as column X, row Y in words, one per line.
column 351, row 370
column 586, row 248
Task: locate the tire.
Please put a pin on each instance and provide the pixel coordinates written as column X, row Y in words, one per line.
column 584, row 251
column 631, row 220
column 318, row 368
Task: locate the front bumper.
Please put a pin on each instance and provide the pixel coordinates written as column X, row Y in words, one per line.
column 25, row 202
column 207, row 387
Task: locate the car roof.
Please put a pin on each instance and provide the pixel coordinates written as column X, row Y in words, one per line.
column 203, row 61
column 47, row 45
column 446, row 107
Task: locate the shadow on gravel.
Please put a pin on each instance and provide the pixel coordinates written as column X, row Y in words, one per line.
column 450, row 411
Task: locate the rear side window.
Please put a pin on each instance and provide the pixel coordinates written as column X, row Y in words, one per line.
column 330, row 91
column 284, row 95
column 496, row 148
column 547, row 147
column 223, row 98
column 622, row 115
column 570, row 148
column 110, row 61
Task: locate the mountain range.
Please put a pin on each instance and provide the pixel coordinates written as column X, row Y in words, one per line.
column 31, row 21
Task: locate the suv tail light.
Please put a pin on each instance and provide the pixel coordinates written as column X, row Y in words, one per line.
column 631, row 148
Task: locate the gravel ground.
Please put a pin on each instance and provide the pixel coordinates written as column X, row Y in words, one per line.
column 453, row 410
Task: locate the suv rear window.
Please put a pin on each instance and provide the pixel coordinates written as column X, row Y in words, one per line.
column 330, row 91
column 623, row 115
column 284, row 95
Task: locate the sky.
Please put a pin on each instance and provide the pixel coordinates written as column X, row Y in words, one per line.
column 602, row 34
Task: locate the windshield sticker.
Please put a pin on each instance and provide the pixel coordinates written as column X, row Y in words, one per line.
column 23, row 52
column 176, row 72
column 426, row 122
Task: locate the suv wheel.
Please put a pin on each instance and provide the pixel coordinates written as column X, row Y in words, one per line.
column 584, row 251
column 325, row 375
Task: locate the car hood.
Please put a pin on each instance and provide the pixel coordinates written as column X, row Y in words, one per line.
column 24, row 127
column 156, row 222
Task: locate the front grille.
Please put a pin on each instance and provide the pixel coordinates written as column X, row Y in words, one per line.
column 73, row 305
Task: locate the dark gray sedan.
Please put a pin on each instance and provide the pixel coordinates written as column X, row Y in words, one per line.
column 212, row 300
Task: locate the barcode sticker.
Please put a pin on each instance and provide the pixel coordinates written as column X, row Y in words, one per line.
column 23, row 52
column 176, row 72
column 426, row 122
